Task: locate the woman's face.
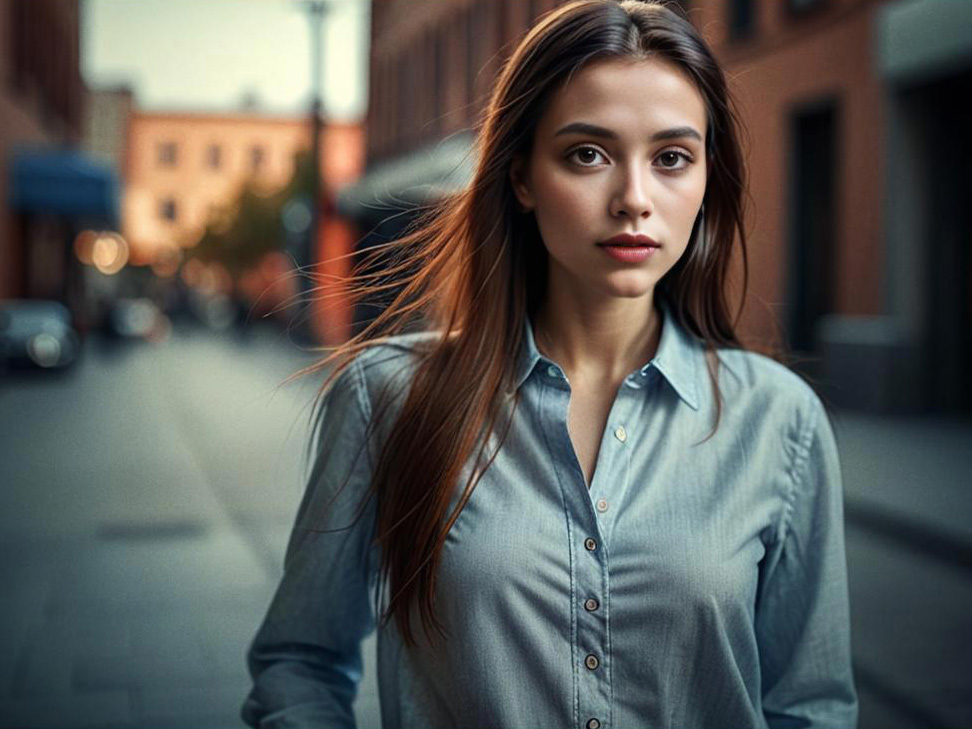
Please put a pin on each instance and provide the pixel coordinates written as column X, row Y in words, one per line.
column 619, row 150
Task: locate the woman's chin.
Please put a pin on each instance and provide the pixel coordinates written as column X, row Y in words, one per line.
column 631, row 285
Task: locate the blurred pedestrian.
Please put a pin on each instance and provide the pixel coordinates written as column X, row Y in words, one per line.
column 573, row 498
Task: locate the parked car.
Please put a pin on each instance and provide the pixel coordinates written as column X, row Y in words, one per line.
column 134, row 318
column 36, row 334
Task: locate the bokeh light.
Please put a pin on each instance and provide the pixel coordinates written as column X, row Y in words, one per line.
column 109, row 253
column 166, row 262
column 84, row 246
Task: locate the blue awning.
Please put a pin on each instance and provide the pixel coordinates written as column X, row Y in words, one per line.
column 66, row 183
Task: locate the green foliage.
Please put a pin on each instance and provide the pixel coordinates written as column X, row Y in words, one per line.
column 252, row 226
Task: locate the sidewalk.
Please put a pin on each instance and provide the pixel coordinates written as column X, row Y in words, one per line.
column 917, row 470
column 145, row 505
column 908, row 499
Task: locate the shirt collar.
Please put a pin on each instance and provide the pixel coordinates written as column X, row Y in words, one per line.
column 680, row 358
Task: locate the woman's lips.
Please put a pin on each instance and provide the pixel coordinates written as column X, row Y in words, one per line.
column 629, row 248
column 629, row 254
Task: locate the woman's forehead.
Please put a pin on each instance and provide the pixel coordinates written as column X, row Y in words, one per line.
column 631, row 94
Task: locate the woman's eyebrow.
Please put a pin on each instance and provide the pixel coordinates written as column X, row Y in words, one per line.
column 594, row 130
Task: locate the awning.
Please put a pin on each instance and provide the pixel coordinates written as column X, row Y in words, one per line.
column 63, row 182
column 920, row 40
column 412, row 179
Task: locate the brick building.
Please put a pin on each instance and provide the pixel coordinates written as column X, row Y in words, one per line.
column 48, row 189
column 860, row 248
column 860, row 236
column 182, row 167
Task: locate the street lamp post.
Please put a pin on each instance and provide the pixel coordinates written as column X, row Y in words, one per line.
column 316, row 10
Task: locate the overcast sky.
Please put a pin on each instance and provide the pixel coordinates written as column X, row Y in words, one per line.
column 206, row 54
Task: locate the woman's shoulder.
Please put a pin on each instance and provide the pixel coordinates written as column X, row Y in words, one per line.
column 756, row 375
column 387, row 365
column 769, row 397
column 392, row 352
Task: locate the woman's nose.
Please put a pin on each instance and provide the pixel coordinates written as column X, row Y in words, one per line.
column 632, row 197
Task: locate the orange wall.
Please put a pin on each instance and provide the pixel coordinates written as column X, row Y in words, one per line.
column 332, row 309
column 197, row 188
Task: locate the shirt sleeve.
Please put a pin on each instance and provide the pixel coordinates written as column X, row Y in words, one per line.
column 305, row 660
column 802, row 613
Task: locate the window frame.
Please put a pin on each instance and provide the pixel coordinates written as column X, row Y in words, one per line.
column 169, row 209
column 742, row 33
column 167, row 153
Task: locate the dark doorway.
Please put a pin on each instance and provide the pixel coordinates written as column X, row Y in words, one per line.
column 949, row 242
column 813, row 224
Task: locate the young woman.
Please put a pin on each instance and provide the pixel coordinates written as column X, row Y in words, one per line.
column 573, row 500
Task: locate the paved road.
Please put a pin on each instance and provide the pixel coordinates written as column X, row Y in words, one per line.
column 145, row 505
column 145, row 501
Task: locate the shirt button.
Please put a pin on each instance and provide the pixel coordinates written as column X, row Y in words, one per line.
column 553, row 372
column 590, row 604
column 621, row 434
column 593, row 724
column 601, row 505
column 590, row 544
column 591, row 662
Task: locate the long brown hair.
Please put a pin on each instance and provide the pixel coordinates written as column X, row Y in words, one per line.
column 474, row 268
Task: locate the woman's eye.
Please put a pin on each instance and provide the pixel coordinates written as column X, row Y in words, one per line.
column 586, row 156
column 673, row 160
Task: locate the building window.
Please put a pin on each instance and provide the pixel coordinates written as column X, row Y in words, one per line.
column 214, row 156
column 814, row 156
column 257, row 158
column 168, row 154
column 169, row 210
column 742, row 19
column 797, row 7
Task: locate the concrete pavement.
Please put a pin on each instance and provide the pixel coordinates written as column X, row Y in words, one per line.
column 145, row 504
column 908, row 499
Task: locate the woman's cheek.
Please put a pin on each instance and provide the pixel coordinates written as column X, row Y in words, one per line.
column 565, row 198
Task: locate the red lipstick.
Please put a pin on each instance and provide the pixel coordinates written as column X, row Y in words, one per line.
column 630, row 248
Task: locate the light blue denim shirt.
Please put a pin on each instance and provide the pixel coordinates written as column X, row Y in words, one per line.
column 695, row 584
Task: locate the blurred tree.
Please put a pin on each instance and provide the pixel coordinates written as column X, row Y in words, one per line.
column 240, row 236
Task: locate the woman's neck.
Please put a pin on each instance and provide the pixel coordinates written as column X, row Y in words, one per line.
column 604, row 343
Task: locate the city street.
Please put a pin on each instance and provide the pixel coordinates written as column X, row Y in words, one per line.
column 146, row 502
column 147, row 495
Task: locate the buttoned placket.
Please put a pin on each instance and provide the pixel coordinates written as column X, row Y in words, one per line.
column 590, row 515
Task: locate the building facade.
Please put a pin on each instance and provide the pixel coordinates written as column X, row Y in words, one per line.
column 183, row 168
column 48, row 190
column 854, row 266
column 860, row 247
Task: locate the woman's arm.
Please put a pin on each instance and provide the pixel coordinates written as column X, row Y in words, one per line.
column 306, row 658
column 802, row 613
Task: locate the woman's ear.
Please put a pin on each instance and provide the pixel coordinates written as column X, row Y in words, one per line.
column 518, row 179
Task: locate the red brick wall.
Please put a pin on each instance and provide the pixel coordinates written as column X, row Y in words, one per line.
column 40, row 102
column 790, row 61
